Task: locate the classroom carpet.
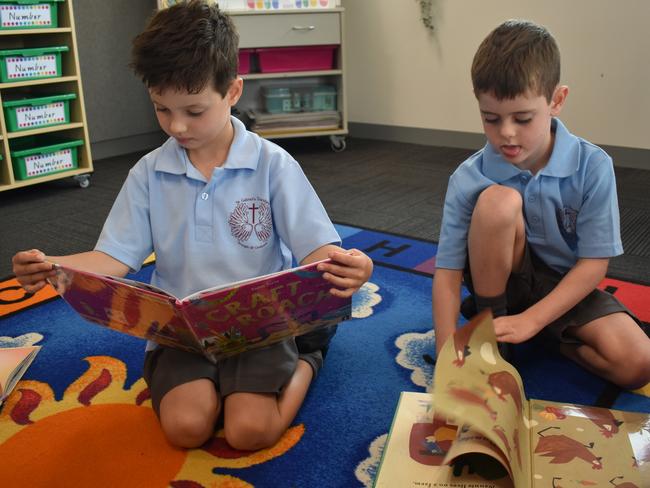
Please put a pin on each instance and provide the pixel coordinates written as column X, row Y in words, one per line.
column 81, row 416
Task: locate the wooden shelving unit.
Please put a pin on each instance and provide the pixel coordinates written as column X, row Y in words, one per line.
column 69, row 82
column 291, row 28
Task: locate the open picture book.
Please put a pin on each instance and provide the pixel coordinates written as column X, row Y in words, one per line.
column 478, row 429
column 14, row 361
column 216, row 322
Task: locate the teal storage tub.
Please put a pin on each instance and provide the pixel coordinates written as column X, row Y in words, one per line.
column 278, row 100
column 33, row 157
column 323, row 98
column 31, row 63
column 316, row 98
column 32, row 113
column 29, row 14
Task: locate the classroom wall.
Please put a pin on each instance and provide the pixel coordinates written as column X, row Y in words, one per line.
column 402, row 81
column 399, row 75
column 119, row 114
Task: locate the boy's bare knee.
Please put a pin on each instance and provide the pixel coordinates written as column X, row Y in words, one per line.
column 498, row 205
column 635, row 373
column 250, row 434
column 187, row 429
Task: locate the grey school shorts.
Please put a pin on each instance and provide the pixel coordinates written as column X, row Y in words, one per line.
column 264, row 370
column 536, row 280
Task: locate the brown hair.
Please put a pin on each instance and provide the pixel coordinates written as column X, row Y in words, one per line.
column 516, row 57
column 187, row 46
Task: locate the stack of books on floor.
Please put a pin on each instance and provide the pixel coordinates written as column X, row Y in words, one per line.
column 267, row 124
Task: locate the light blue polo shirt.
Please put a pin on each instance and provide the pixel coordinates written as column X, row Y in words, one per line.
column 570, row 205
column 246, row 221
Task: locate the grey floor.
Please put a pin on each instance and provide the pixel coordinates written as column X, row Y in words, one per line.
column 388, row 186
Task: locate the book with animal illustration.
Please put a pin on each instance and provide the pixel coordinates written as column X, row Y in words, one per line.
column 14, row 361
column 217, row 322
column 477, row 429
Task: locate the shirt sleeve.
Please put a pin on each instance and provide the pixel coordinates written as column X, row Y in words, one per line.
column 298, row 214
column 126, row 235
column 456, row 216
column 598, row 222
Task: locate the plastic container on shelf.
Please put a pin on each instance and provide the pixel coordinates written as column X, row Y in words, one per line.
column 245, row 61
column 314, row 98
column 33, row 157
column 299, row 58
column 32, row 113
column 278, row 100
column 29, row 14
column 323, row 98
column 31, row 63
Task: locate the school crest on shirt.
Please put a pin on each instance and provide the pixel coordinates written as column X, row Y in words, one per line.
column 567, row 219
column 251, row 223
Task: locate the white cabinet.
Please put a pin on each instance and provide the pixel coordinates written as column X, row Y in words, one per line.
column 294, row 28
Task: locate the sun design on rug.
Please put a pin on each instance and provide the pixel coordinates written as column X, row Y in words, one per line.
column 102, row 434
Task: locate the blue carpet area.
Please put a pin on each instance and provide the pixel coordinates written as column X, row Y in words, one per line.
column 387, row 347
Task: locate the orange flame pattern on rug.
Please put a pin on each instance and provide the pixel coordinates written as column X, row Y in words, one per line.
column 101, row 434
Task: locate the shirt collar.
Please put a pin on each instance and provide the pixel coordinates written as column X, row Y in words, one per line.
column 243, row 154
column 563, row 162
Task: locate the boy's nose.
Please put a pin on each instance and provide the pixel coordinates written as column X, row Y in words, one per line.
column 507, row 129
column 178, row 126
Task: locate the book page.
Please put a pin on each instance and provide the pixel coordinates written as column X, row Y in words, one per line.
column 119, row 304
column 14, row 361
column 263, row 311
column 474, row 385
column 578, row 445
column 472, row 450
column 418, row 444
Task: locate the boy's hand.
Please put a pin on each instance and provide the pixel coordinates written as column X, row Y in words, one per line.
column 31, row 269
column 515, row 328
column 348, row 271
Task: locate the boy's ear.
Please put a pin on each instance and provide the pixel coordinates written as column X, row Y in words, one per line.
column 235, row 90
column 559, row 97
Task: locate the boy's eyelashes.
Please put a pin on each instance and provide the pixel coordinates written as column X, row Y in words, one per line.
column 497, row 120
column 189, row 112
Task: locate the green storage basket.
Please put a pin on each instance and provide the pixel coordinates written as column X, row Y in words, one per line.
column 32, row 113
column 29, row 14
column 31, row 64
column 35, row 157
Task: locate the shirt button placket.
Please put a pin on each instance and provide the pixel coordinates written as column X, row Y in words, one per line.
column 533, row 208
column 204, row 217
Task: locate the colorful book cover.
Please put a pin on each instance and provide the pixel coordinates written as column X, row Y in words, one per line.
column 14, row 361
column 539, row 444
column 217, row 322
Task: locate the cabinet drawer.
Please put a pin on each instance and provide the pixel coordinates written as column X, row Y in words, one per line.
column 273, row 30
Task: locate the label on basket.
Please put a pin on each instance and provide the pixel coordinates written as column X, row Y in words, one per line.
column 25, row 15
column 42, row 164
column 31, row 66
column 52, row 113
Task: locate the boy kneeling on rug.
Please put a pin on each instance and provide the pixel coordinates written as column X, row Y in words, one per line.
column 531, row 220
column 177, row 202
